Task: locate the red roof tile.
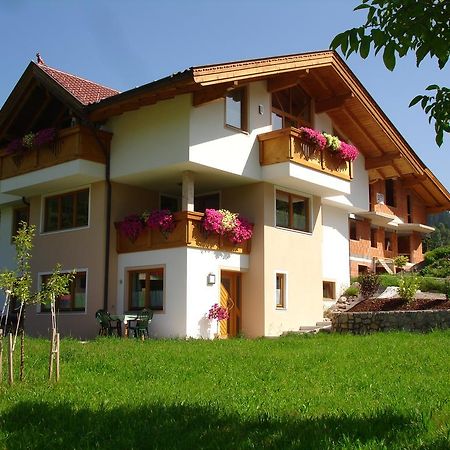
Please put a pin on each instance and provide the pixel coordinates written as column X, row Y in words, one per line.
column 85, row 91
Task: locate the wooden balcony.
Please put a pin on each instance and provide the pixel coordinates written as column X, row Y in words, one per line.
column 188, row 232
column 287, row 145
column 71, row 144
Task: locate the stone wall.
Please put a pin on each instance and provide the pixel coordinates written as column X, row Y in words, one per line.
column 367, row 322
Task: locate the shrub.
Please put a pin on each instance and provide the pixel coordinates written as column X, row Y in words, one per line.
column 401, row 261
column 352, row 291
column 369, row 284
column 429, row 284
column 387, row 280
column 408, row 287
column 437, row 262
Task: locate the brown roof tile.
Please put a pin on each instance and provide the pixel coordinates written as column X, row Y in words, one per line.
column 85, row 91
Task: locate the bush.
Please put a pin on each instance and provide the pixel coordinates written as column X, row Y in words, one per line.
column 408, row 287
column 352, row 291
column 387, row 280
column 401, row 261
column 369, row 284
column 429, row 284
column 437, row 262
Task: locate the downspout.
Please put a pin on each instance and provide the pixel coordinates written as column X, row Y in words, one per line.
column 108, row 226
column 107, row 153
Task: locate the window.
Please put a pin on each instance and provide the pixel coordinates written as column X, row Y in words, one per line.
column 236, row 109
column 388, row 240
column 352, row 229
column 292, row 211
column 207, row 201
column 169, row 202
column 65, row 211
column 291, row 108
column 75, row 300
column 374, row 237
column 21, row 214
column 389, row 189
column 146, row 289
column 329, row 289
column 280, row 291
column 409, row 208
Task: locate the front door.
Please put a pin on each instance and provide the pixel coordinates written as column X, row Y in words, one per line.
column 230, row 297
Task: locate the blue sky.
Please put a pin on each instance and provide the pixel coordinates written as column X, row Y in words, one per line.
column 124, row 44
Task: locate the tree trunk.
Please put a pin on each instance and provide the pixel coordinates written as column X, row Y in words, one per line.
column 22, row 345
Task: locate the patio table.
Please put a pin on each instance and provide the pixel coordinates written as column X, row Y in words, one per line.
column 125, row 318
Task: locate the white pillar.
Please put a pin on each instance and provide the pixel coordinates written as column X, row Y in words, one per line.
column 188, row 191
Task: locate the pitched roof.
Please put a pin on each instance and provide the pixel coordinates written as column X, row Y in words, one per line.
column 85, row 91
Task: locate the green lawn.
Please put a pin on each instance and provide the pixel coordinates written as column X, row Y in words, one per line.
column 382, row 391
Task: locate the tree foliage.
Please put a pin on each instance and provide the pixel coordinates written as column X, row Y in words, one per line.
column 397, row 27
column 441, row 235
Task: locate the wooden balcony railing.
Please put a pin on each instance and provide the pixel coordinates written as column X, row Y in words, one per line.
column 188, row 232
column 71, row 143
column 287, row 145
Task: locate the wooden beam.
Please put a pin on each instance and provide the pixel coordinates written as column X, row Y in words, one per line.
column 413, row 181
column 210, row 93
column 332, row 103
column 285, row 81
column 315, row 76
column 438, row 209
column 41, row 109
column 361, row 129
column 382, row 161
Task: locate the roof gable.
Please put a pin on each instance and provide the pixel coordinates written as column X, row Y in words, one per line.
column 85, row 91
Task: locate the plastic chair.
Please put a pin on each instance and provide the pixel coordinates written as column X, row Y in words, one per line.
column 140, row 327
column 108, row 326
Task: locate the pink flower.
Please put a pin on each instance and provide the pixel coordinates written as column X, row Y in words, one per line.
column 348, row 152
column 212, row 221
column 131, row 227
column 162, row 220
column 218, row 312
column 313, row 137
column 241, row 232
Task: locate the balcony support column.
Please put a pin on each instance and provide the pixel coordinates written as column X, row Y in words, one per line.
column 187, row 191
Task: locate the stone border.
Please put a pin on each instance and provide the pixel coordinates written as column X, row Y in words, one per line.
column 368, row 322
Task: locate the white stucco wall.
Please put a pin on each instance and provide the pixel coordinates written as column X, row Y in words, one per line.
column 200, row 295
column 335, row 247
column 151, row 137
column 171, row 322
column 214, row 144
column 187, row 296
column 358, row 198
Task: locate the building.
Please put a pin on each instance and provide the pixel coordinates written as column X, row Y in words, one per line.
column 217, row 136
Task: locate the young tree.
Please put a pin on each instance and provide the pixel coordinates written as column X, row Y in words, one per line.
column 398, row 27
column 17, row 284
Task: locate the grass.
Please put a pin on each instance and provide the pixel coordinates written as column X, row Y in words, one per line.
column 381, row 391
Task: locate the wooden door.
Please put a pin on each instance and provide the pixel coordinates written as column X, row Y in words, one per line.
column 230, row 297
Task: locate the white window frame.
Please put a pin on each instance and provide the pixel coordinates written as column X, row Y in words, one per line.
column 126, row 284
column 69, row 313
column 286, row 290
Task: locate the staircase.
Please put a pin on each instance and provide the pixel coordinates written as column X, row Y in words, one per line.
column 324, row 327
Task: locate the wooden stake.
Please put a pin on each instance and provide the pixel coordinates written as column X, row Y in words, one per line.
column 10, row 359
column 22, row 353
column 57, row 357
column 1, row 355
column 50, row 363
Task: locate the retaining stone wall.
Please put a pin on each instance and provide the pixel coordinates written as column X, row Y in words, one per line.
column 367, row 322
